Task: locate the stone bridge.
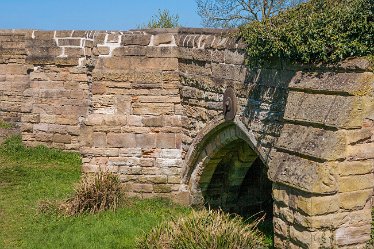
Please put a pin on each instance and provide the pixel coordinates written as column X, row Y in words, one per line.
column 178, row 115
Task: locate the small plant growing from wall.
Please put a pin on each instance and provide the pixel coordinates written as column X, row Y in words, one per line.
column 4, row 125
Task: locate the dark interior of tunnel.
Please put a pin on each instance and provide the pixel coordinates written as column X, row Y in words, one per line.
column 240, row 184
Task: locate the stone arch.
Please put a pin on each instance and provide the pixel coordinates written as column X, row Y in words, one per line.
column 218, row 143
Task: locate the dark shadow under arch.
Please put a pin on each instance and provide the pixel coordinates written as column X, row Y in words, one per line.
column 225, row 169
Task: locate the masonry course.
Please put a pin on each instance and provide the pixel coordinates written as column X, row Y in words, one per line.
column 148, row 104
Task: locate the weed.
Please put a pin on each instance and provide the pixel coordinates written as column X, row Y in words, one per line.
column 204, row 229
column 5, row 125
column 94, row 193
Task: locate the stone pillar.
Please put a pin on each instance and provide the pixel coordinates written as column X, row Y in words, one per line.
column 322, row 164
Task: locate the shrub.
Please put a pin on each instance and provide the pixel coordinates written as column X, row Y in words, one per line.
column 94, row 193
column 204, row 229
column 319, row 31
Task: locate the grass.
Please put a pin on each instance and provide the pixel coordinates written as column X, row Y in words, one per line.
column 30, row 175
column 371, row 242
column 4, row 125
column 205, row 229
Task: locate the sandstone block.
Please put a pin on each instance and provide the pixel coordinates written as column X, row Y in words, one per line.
column 356, row 182
column 153, row 121
column 145, row 140
column 135, row 120
column 153, row 108
column 162, row 52
column 170, row 153
column 99, row 139
column 352, row 235
column 103, row 50
column 310, row 176
column 12, row 69
column 355, row 200
column 98, row 88
column 135, row 39
column 74, row 52
column 61, row 138
column 94, row 119
column 73, row 42
column 162, row 188
column 281, row 227
column 167, row 163
column 344, row 82
column 316, row 205
column 119, row 140
column 157, row 179
column 163, row 39
column 360, row 151
column 130, row 152
column 314, row 142
column 166, row 141
column 30, row 118
column 43, row 35
column 142, row 188
column 348, row 168
column 130, row 51
column 174, row 180
column 147, row 162
column 331, row 110
column 135, row 62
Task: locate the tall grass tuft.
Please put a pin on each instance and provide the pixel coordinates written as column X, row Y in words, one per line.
column 94, row 193
column 204, row 229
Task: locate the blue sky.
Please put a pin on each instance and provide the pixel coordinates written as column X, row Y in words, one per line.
column 91, row 14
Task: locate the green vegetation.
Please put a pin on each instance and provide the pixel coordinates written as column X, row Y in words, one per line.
column 204, row 229
column 31, row 179
column 95, row 193
column 4, row 125
column 163, row 19
column 31, row 175
column 319, row 31
column 371, row 242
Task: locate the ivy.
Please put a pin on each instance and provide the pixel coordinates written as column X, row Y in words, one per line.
column 319, row 31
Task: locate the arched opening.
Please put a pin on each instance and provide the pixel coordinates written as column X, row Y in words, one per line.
column 239, row 183
column 228, row 172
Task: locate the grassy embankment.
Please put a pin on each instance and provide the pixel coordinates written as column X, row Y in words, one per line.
column 30, row 175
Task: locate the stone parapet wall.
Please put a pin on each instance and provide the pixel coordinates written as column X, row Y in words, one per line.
column 135, row 118
column 13, row 75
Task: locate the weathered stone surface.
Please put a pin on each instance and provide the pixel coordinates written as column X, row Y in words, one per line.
column 351, row 83
column 356, row 182
column 355, row 200
column 350, row 168
column 313, row 142
column 331, row 110
column 311, row 176
column 134, row 63
column 352, row 235
column 163, row 39
column 135, row 39
column 126, row 140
